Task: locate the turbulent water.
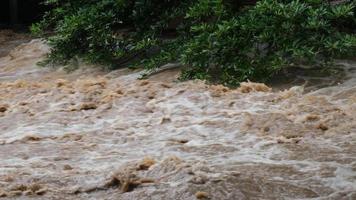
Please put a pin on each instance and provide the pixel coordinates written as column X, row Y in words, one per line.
column 97, row 135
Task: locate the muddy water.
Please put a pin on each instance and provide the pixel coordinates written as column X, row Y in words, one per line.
column 96, row 135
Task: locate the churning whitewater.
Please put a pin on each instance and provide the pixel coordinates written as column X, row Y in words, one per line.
column 107, row 135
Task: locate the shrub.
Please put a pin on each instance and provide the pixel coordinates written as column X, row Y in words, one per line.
column 217, row 40
column 105, row 30
column 259, row 42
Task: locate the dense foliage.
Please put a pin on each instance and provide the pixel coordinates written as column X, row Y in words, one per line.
column 219, row 40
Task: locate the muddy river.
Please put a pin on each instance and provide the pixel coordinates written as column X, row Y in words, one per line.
column 92, row 134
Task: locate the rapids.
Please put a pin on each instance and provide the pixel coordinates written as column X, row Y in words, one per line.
column 106, row 135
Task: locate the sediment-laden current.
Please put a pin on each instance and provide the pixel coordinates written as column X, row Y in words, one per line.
column 106, row 135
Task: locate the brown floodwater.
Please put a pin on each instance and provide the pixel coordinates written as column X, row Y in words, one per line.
column 107, row 135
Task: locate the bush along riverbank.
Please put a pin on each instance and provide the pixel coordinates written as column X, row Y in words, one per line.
column 221, row 41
